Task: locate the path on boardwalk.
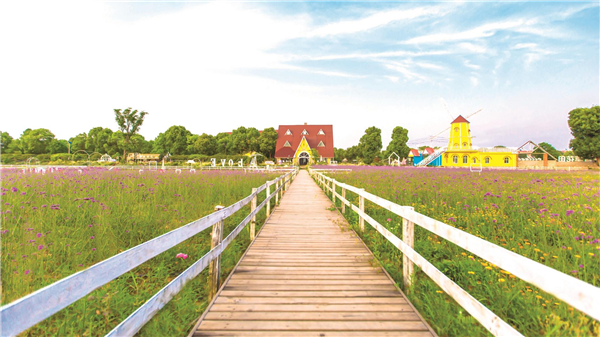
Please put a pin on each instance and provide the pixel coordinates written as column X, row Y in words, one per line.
column 307, row 274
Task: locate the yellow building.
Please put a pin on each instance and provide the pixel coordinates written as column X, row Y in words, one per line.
column 460, row 152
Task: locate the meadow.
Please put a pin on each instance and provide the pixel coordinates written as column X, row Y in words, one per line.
column 550, row 217
column 56, row 224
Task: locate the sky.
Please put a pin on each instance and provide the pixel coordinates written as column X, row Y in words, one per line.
column 213, row 67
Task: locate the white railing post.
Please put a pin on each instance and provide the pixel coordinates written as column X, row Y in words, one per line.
column 333, row 191
column 408, row 236
column 253, row 222
column 343, row 203
column 277, row 193
column 268, row 201
column 214, row 269
column 361, row 206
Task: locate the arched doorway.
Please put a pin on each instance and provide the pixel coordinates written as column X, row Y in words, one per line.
column 303, row 158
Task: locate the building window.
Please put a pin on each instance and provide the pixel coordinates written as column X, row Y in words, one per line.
column 464, row 144
column 455, row 159
column 321, row 133
column 465, row 159
column 506, row 160
column 474, row 160
column 305, row 133
column 321, row 144
column 487, row 160
column 455, row 145
column 456, row 129
column 288, row 132
column 287, row 144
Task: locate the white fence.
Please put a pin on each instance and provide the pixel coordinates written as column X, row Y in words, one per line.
column 579, row 294
column 27, row 311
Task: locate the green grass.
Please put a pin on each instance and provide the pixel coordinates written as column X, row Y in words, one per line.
column 41, row 245
column 552, row 218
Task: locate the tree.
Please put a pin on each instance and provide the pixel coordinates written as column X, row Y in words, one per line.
column 238, row 141
column 97, row 140
column 339, row 154
column 205, row 144
column 398, row 143
column 36, row 141
column 116, row 144
column 550, row 149
column 78, row 142
column 370, row 144
column 268, row 142
column 173, row 141
column 5, row 141
column 585, row 128
column 58, row 146
column 353, row 153
column 130, row 122
column 138, row 144
column 223, row 139
column 252, row 136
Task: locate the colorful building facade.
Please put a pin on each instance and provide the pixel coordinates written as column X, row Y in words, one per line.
column 295, row 144
column 460, row 152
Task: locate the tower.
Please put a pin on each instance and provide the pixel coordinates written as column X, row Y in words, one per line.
column 460, row 135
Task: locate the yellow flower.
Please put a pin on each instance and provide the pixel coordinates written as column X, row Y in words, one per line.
column 488, row 268
column 463, row 254
column 591, row 254
column 554, row 256
column 501, row 280
column 505, row 272
column 472, row 273
column 538, row 296
column 577, row 256
column 439, row 291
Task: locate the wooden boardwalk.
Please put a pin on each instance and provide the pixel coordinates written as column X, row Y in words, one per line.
column 307, row 274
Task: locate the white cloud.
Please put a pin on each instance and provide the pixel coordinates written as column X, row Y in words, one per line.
column 394, row 79
column 474, row 81
column 376, row 20
column 470, row 65
column 397, row 53
column 486, row 30
column 403, row 69
column 473, row 48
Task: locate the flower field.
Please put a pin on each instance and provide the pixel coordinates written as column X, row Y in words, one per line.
column 550, row 217
column 56, row 224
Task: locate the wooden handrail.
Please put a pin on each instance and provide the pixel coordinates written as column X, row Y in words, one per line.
column 29, row 310
column 577, row 293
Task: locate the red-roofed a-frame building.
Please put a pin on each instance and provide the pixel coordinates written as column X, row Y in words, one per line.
column 295, row 143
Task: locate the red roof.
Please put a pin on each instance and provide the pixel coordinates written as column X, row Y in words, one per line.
column 313, row 139
column 460, row 119
column 415, row 153
column 429, row 150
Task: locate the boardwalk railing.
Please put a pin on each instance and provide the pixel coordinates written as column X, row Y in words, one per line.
column 27, row 311
column 579, row 294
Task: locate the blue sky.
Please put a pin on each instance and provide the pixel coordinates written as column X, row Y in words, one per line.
column 215, row 66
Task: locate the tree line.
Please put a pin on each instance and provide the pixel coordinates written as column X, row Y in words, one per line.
column 176, row 140
column 369, row 148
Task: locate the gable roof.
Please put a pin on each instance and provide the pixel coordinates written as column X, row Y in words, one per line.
column 428, row 150
column 313, row 139
column 460, row 119
column 414, row 153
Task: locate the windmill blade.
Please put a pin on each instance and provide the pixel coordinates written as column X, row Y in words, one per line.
column 447, row 110
column 474, row 113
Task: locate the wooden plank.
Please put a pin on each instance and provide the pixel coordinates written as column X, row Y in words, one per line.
column 320, row 333
column 313, row 316
column 289, row 297
column 346, row 325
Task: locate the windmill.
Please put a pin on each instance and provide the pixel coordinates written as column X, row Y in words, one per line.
column 437, row 154
column 431, row 138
